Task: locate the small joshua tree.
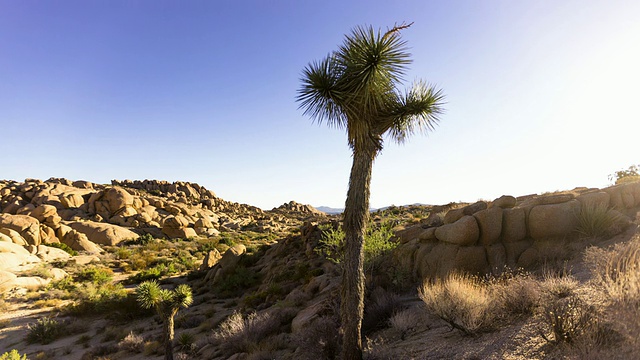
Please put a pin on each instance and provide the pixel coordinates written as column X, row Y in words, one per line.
column 167, row 303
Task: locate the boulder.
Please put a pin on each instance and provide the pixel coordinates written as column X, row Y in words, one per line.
column 462, row 232
column 13, row 255
column 47, row 214
column 627, row 196
column 7, row 279
column 27, row 226
column 453, row 215
column 472, row 260
column 437, row 260
column 514, row 226
column 615, row 195
column 490, row 224
column 504, row 202
column 176, row 227
column 597, row 198
column 554, row 220
column 79, row 241
column 117, row 198
column 71, row 200
column 513, row 250
column 14, row 236
column 227, row 263
column 410, row 233
column 554, row 199
column 529, row 258
column 103, row 234
column 49, row 254
column 474, row 208
column 210, row 259
column 497, row 258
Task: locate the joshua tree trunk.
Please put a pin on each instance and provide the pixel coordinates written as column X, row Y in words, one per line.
column 168, row 333
column 356, row 215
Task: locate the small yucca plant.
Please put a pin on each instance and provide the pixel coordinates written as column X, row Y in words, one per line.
column 596, row 220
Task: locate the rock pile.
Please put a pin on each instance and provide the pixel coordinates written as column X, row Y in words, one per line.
column 485, row 237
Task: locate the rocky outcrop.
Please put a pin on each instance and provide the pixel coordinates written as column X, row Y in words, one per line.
column 27, row 226
column 103, row 234
column 177, row 227
column 484, row 237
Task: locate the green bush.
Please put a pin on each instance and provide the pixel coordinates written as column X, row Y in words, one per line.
column 64, row 247
column 13, row 355
column 623, row 176
column 44, row 331
column 377, row 242
column 240, row 279
column 95, row 275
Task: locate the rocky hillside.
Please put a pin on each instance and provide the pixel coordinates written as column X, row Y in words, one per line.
column 266, row 283
column 86, row 216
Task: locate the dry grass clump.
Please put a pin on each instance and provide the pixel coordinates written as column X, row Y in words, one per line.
column 379, row 307
column 132, row 342
column 251, row 333
column 319, row 340
column 617, row 276
column 406, row 321
column 461, row 300
column 474, row 305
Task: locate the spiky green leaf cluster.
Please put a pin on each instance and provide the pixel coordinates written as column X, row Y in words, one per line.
column 356, row 87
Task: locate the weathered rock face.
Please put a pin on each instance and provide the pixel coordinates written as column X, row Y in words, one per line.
column 211, row 259
column 103, row 234
column 13, row 255
column 118, row 200
column 599, row 198
column 553, row 220
column 463, row 232
column 504, row 201
column 76, row 240
column 227, row 263
column 26, row 226
column 490, row 224
column 176, row 227
column 514, row 226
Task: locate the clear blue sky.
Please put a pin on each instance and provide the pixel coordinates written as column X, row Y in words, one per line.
column 541, row 96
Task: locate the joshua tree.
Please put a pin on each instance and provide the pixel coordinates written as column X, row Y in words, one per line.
column 355, row 88
column 167, row 303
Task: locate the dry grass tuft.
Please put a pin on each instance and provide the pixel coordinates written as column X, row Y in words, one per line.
column 461, row 300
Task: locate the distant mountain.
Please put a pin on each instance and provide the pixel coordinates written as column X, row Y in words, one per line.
column 329, row 210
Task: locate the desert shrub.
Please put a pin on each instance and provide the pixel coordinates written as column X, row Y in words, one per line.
column 377, row 242
column 618, row 272
column 240, row 333
column 405, row 321
column 463, row 301
column 65, row 284
column 567, row 319
column 44, row 331
column 597, row 220
column 241, row 278
column 132, row 343
column 42, row 271
column 623, row 176
column 63, row 246
column 13, row 355
column 379, row 307
column 319, row 340
column 96, row 275
column 516, row 294
column 558, row 286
